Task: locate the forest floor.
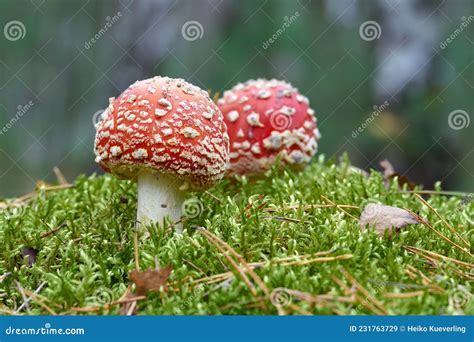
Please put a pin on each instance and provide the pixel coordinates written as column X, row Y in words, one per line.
column 289, row 243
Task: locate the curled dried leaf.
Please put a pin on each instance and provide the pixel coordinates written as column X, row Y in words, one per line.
column 389, row 173
column 150, row 280
column 384, row 217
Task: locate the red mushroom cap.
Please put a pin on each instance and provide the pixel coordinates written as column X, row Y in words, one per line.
column 165, row 125
column 266, row 119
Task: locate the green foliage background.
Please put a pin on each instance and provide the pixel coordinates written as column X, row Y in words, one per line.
column 320, row 53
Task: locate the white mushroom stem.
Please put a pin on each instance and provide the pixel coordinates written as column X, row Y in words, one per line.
column 159, row 196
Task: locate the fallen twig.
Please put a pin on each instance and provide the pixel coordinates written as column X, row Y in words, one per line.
column 108, row 305
column 404, row 295
column 339, row 207
column 422, row 200
column 323, row 259
column 436, row 256
column 427, row 224
column 59, row 176
column 310, row 206
column 254, row 275
column 434, row 192
column 213, row 196
column 295, row 260
column 135, row 247
column 215, row 241
column 364, row 291
column 283, row 219
column 52, row 231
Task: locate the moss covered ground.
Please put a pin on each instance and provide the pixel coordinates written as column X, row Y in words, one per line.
column 75, row 248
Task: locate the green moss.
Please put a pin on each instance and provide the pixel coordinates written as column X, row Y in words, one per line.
column 87, row 261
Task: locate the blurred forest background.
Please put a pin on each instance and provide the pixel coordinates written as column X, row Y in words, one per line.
column 391, row 71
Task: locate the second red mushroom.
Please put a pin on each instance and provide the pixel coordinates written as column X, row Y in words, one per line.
column 266, row 119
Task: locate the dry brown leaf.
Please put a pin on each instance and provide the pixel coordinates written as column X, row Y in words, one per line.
column 150, row 280
column 388, row 170
column 389, row 173
column 29, row 254
column 384, row 217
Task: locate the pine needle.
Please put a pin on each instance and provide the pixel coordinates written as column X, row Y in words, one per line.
column 338, row 207
column 455, row 232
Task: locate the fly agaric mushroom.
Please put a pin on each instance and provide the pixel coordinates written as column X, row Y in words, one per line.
column 168, row 135
column 266, row 119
